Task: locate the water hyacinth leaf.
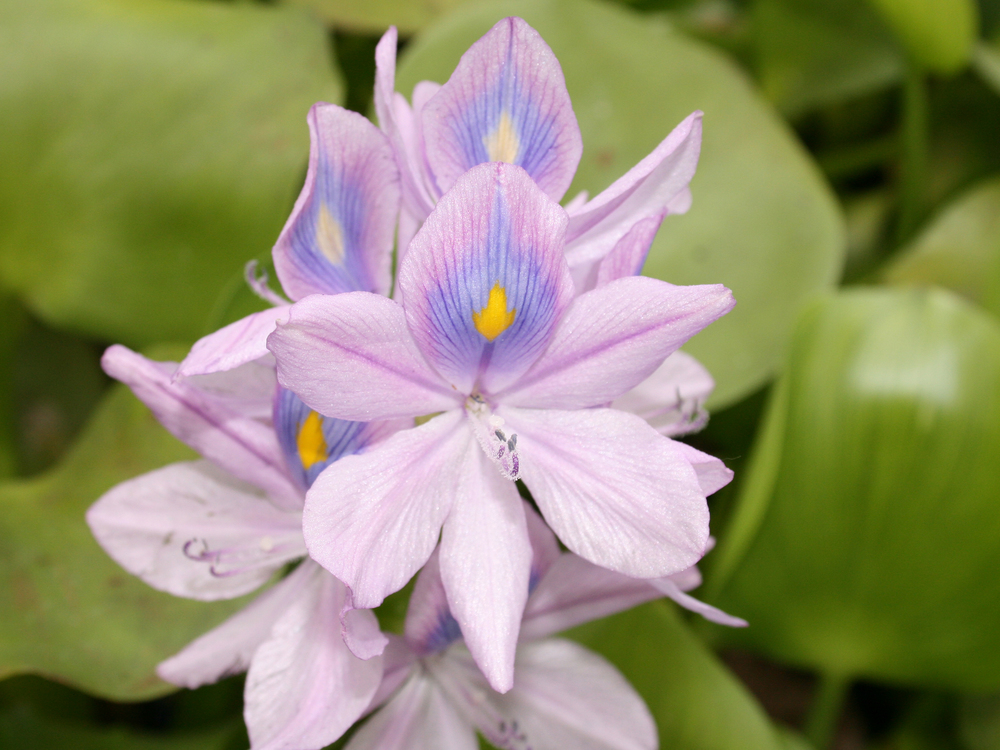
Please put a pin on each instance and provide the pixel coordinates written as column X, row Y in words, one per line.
column 873, row 495
column 763, row 221
column 938, row 34
column 959, row 250
column 810, row 53
column 697, row 703
column 151, row 148
column 375, row 16
column 70, row 612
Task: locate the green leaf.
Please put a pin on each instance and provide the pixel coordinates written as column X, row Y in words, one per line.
column 938, row 34
column 697, row 703
column 866, row 531
column 150, row 148
column 812, row 53
column 375, row 16
column 960, row 249
column 70, row 613
column 763, row 221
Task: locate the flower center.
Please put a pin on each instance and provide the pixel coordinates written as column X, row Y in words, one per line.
column 498, row 443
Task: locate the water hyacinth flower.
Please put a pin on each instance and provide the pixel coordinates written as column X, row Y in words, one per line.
column 507, row 101
column 222, row 527
column 491, row 339
column 338, row 238
column 564, row 696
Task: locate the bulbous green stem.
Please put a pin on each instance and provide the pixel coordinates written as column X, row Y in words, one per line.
column 821, row 723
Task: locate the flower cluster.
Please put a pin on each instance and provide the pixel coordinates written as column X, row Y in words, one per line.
column 522, row 384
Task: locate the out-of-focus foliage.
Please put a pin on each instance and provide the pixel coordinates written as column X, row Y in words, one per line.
column 812, row 52
column 979, row 722
column 378, row 15
column 150, row 148
column 80, row 618
column 960, row 249
column 696, row 702
column 869, row 516
column 763, row 221
column 938, row 34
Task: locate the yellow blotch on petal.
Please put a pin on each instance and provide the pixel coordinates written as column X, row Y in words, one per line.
column 329, row 236
column 494, row 319
column 310, row 441
column 502, row 143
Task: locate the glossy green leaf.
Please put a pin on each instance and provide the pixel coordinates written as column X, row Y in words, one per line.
column 960, row 249
column 375, row 16
column 938, row 34
column 865, row 540
column 24, row 729
column 150, row 148
column 70, row 613
column 697, row 703
column 763, row 221
column 811, row 53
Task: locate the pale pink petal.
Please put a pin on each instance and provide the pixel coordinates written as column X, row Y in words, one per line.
column 484, row 280
column 304, row 687
column 372, row 519
column 486, row 566
column 228, row 648
column 212, row 425
column 232, row 346
column 398, row 662
column 672, row 399
column 397, row 121
column 430, row 626
column 629, row 253
column 419, row 717
column 712, row 473
column 351, row 356
column 671, row 589
column 246, row 391
column 194, row 531
column 681, row 203
column 339, row 235
column 360, row 630
column 614, row 337
column 612, row 489
column 576, row 591
column 544, row 546
column 506, row 101
column 564, row 696
column 655, row 184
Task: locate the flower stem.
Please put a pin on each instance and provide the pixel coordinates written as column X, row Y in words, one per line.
column 914, row 138
column 821, row 723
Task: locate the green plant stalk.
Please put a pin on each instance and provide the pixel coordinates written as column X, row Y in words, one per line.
column 821, row 723
column 914, row 137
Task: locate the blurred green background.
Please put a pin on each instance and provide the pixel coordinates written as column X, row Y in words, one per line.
column 848, row 192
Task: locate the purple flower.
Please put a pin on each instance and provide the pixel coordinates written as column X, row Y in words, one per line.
column 338, row 238
column 432, row 694
column 222, row 527
column 507, row 101
column 493, row 340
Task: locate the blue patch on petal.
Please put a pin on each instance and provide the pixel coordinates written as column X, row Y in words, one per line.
column 456, row 307
column 310, row 441
column 505, row 123
column 445, row 632
column 326, row 239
